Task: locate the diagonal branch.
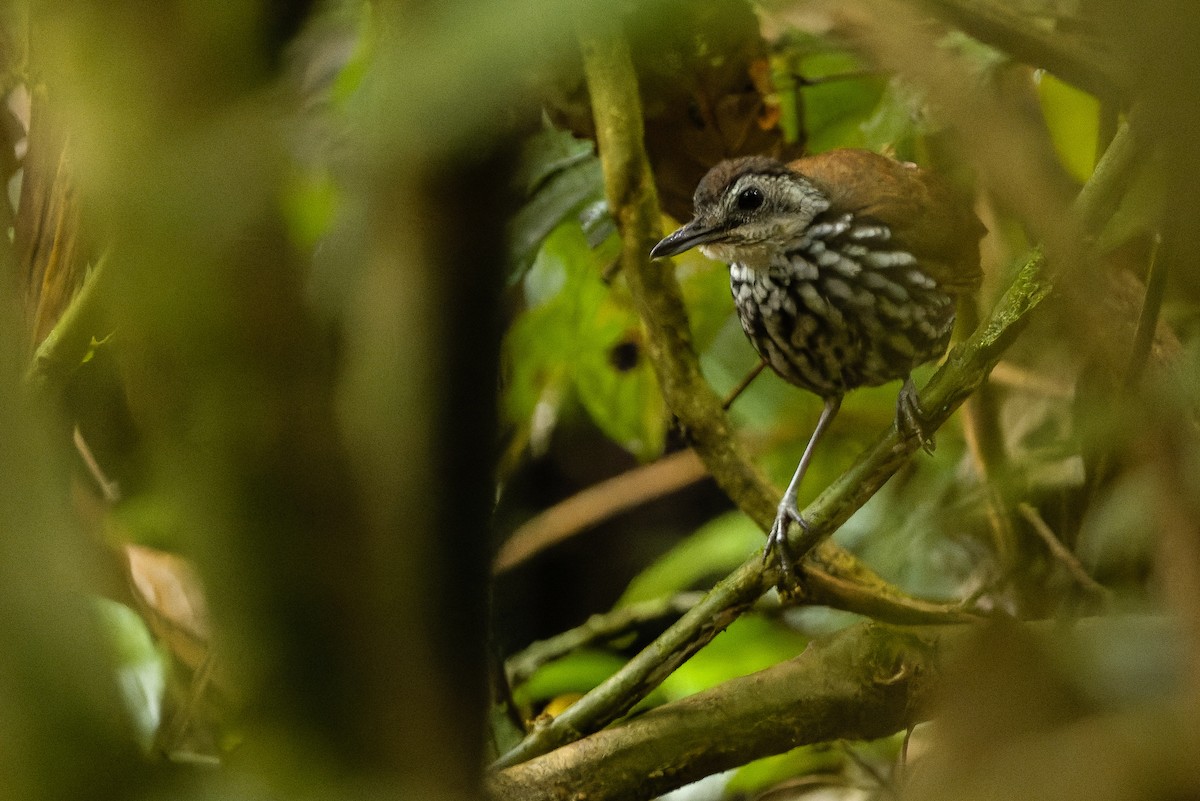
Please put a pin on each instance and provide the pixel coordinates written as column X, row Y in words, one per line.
column 1074, row 58
column 632, row 200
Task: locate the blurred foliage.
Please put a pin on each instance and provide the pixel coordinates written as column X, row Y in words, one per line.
column 285, row 378
column 713, row 550
column 750, row 644
column 577, row 337
column 141, row 667
column 578, row 672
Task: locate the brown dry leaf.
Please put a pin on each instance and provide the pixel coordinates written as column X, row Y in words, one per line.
column 172, row 597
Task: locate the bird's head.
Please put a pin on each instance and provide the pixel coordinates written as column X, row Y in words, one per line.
column 747, row 210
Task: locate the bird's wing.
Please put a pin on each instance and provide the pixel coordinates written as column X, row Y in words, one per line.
column 926, row 215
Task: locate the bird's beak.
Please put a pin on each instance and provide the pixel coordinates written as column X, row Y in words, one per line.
column 687, row 237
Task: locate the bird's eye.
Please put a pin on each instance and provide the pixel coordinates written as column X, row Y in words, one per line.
column 749, row 198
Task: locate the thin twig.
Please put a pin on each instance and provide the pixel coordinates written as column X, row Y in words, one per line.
column 1060, row 552
column 597, row 628
column 742, row 385
column 1147, row 324
column 109, row 489
column 598, row 503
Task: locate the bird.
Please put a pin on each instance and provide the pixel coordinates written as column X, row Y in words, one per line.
column 845, row 268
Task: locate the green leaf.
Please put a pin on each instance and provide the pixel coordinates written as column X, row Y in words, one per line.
column 835, row 111
column 309, row 204
column 582, row 335
column 618, row 388
column 546, row 153
column 803, row 761
column 713, row 550
column 1073, row 117
column 897, row 122
column 1141, row 207
column 751, row 643
column 577, row 672
column 559, row 175
column 353, row 73
column 141, row 668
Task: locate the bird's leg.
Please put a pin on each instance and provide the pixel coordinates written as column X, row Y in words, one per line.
column 788, row 510
column 910, row 416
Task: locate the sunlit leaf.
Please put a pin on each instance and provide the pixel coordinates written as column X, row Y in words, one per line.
column 750, row 644
column 712, row 550
column 1073, row 117
column 618, row 388
column 835, row 110
column 803, row 761
column 705, row 287
column 577, row 672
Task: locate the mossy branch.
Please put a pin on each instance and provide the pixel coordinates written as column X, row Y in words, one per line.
column 864, row 682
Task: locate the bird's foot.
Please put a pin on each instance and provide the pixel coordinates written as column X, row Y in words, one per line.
column 911, row 419
column 777, row 542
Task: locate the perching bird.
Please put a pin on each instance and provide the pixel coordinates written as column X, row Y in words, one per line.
column 844, row 267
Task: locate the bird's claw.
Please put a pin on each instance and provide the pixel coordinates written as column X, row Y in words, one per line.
column 777, row 542
column 911, row 419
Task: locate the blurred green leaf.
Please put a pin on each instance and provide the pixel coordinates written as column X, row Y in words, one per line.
column 309, row 205
column 618, row 388
column 577, row 672
column 836, row 109
column 924, row 532
column 750, row 644
column 350, row 77
column 713, row 550
column 548, row 152
column 559, row 175
column 141, row 668
column 705, row 287
column 1073, row 117
column 897, row 121
column 803, row 761
column 154, row 519
column 1141, row 208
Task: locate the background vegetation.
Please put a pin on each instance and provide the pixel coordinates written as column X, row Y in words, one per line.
column 351, row 445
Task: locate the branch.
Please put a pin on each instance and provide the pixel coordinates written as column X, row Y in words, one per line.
column 1069, row 57
column 596, row 629
column 862, row 683
column 597, row 503
column 1061, row 552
